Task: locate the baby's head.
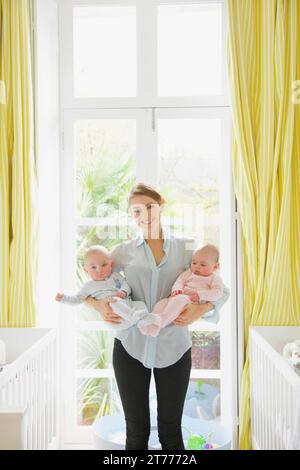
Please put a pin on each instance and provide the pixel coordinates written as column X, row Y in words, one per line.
column 97, row 262
column 205, row 260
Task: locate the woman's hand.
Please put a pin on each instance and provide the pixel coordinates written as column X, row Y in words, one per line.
column 102, row 306
column 192, row 312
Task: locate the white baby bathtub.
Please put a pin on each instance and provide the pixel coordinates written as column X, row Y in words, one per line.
column 28, row 389
column 109, row 432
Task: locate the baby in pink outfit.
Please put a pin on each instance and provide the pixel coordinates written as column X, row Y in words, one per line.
column 200, row 283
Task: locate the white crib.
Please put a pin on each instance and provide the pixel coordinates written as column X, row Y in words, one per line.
column 274, row 390
column 28, row 390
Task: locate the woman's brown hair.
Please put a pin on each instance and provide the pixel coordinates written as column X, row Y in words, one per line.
column 141, row 189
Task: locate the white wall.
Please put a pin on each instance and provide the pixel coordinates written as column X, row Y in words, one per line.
column 47, row 145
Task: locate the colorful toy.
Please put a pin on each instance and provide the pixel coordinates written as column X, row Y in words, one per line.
column 198, row 442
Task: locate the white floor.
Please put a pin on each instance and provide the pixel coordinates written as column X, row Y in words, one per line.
column 77, row 447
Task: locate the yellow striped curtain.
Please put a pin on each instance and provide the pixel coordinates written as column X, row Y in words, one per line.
column 264, row 65
column 18, row 194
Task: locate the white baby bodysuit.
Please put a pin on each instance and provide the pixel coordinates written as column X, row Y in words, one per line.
column 130, row 310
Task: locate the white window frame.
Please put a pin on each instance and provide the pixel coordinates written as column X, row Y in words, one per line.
column 146, row 56
column 147, row 108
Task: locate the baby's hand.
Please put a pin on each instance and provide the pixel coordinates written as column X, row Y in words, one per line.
column 122, row 294
column 59, row 297
column 177, row 292
column 194, row 297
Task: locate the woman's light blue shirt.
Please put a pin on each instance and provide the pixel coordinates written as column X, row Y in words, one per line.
column 150, row 283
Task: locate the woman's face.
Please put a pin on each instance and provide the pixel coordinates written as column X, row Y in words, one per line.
column 146, row 214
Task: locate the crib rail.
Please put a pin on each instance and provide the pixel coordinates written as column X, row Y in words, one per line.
column 274, row 397
column 31, row 382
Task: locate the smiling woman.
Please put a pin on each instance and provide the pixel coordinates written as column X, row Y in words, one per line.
column 121, row 125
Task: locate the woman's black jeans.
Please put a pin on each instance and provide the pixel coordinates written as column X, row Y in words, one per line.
column 133, row 380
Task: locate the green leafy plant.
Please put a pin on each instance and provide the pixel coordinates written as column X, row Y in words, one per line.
column 96, row 396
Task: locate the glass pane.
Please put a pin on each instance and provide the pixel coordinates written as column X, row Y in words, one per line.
column 105, row 151
column 203, row 399
column 190, row 49
column 189, row 165
column 94, row 349
column 206, row 350
column 95, row 398
column 104, row 51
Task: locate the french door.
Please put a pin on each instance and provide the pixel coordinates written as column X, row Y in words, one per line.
column 185, row 153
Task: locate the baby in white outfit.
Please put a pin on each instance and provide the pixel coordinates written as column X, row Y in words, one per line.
column 105, row 283
column 198, row 284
